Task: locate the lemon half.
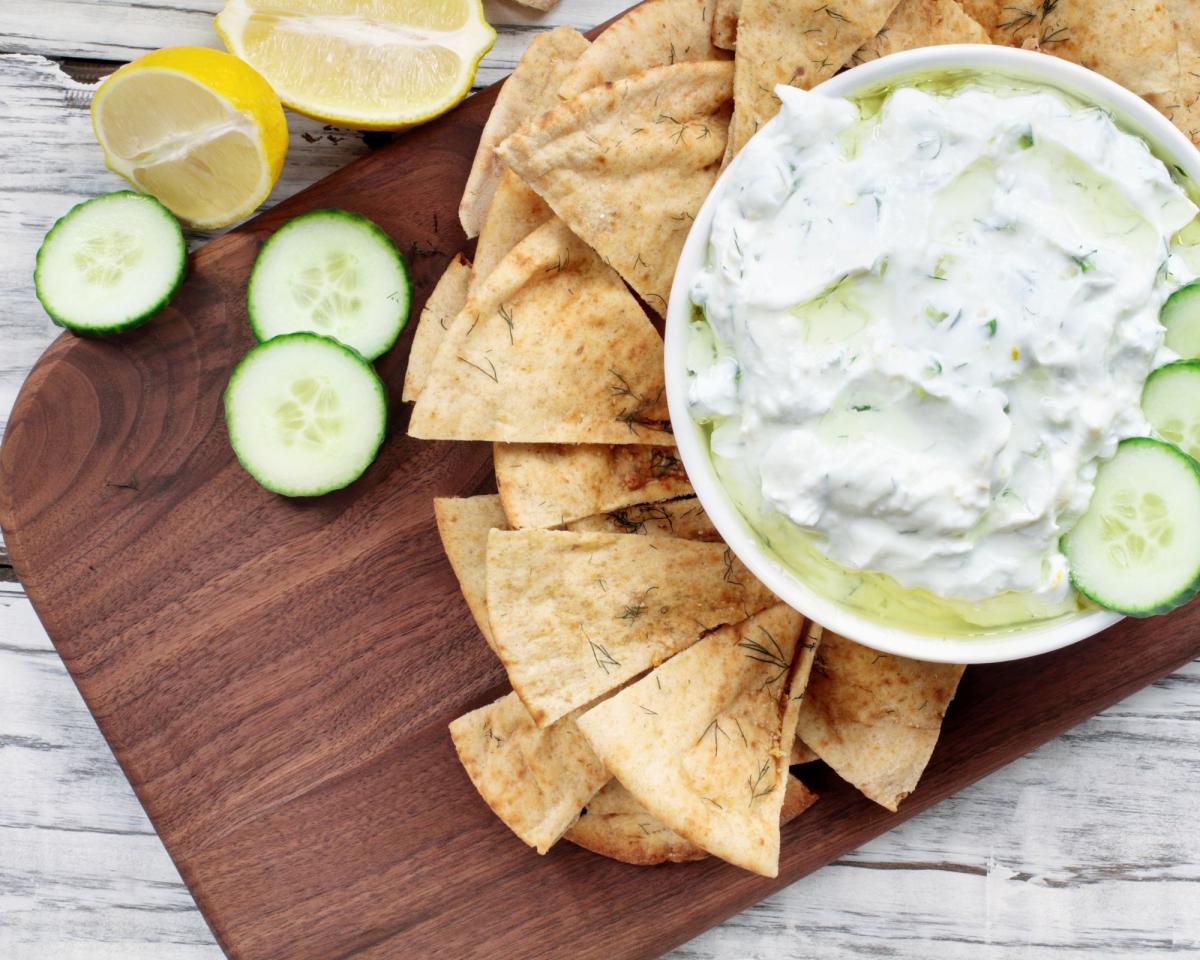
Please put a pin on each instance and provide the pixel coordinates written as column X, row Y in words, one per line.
column 367, row 64
column 196, row 128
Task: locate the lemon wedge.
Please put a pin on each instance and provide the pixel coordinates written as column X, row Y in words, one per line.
column 196, row 128
column 367, row 64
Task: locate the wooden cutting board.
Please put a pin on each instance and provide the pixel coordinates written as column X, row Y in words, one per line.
column 275, row 677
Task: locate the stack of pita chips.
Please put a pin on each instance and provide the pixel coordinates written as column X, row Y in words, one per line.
column 659, row 692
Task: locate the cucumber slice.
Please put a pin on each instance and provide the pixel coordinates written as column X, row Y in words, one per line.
column 1171, row 402
column 110, row 263
column 334, row 273
column 1135, row 550
column 306, row 414
column 1181, row 316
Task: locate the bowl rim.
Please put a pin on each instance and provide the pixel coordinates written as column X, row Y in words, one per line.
column 1135, row 116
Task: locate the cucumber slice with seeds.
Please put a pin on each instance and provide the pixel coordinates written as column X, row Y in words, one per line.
column 1135, row 549
column 306, row 414
column 1171, row 402
column 333, row 273
column 110, row 263
column 1181, row 316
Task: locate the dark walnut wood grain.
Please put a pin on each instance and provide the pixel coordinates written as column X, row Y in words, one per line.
column 276, row 677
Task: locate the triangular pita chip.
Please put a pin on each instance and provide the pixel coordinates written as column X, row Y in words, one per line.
column 527, row 91
column 616, row 826
column 725, row 21
column 802, row 44
column 703, row 742
column 516, row 211
column 873, row 717
column 921, row 23
column 549, row 484
column 683, row 518
column 575, row 615
column 657, row 33
column 464, row 523
column 1130, row 41
column 551, row 349
column 627, row 164
column 536, row 781
column 1181, row 104
column 443, row 305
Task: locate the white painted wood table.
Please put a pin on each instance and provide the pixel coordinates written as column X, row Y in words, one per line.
column 1088, row 847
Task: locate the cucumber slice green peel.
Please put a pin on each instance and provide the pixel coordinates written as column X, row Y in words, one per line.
column 306, row 414
column 110, row 264
column 1171, row 402
column 334, row 273
column 1181, row 316
column 1135, row 549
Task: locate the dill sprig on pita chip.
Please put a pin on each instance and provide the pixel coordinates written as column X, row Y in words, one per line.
column 683, row 518
column 536, row 780
column 801, row 44
column 444, row 304
column 657, row 33
column 548, row 485
column 551, row 349
column 576, row 615
column 703, row 741
column 627, row 164
column 921, row 23
column 531, row 88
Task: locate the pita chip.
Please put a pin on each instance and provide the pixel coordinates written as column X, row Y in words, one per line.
column 922, row 23
column 515, row 212
column 683, row 518
column 1130, row 41
column 1181, row 104
column 575, row 615
column 616, row 826
column 627, row 164
column 802, row 44
column 725, row 21
column 703, row 742
column 536, row 781
column 875, row 718
column 527, row 91
column 443, row 305
column 547, row 484
column 552, row 349
column 656, row 34
column 464, row 523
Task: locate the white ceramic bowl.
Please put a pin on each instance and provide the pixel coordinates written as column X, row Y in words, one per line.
column 1137, row 117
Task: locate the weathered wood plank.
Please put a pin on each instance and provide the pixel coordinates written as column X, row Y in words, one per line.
column 1082, row 849
column 82, row 873
column 123, row 29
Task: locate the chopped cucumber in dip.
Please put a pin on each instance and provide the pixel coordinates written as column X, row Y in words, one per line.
column 306, row 414
column 1135, row 550
column 1181, row 316
column 110, row 264
column 1171, row 402
column 334, row 273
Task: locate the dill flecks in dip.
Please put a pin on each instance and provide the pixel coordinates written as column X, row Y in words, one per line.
column 925, row 322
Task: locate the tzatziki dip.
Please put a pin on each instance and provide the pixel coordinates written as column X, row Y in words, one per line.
column 924, row 320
